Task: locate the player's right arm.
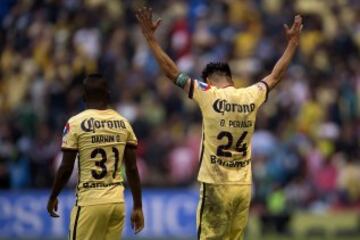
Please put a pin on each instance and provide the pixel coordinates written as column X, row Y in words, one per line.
column 62, row 177
column 132, row 175
column 293, row 35
column 167, row 65
column 69, row 148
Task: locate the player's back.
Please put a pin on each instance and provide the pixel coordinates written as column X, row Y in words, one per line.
column 229, row 116
column 100, row 136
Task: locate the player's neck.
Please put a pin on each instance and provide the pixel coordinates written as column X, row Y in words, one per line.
column 97, row 106
column 223, row 84
column 221, row 81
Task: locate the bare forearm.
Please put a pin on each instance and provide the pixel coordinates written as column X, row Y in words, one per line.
column 133, row 178
column 167, row 65
column 62, row 177
column 282, row 64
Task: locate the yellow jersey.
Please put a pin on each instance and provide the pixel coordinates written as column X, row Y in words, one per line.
column 229, row 116
column 100, row 137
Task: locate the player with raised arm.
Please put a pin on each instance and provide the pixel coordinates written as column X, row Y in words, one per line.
column 229, row 116
column 102, row 140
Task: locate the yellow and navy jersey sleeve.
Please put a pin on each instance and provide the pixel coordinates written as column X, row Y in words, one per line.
column 70, row 136
column 258, row 92
column 199, row 92
column 131, row 139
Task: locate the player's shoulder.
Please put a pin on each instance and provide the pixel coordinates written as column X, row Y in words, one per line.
column 78, row 117
column 203, row 87
column 258, row 91
column 256, row 87
column 118, row 115
column 72, row 123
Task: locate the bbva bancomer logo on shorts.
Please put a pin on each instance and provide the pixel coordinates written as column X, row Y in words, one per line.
column 91, row 124
column 222, row 106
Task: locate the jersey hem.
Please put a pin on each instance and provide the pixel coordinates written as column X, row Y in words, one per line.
column 225, row 183
column 131, row 144
column 99, row 203
column 68, row 148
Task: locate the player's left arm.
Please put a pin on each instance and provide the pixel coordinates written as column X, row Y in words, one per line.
column 293, row 35
column 167, row 65
column 62, row 177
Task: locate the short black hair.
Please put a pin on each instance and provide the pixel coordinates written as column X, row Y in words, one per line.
column 95, row 87
column 220, row 68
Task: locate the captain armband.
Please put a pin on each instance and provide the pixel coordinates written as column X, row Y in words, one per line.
column 181, row 79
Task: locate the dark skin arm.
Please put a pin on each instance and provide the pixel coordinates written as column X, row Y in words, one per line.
column 62, row 177
column 132, row 175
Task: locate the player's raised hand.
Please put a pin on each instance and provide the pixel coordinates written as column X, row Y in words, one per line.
column 293, row 33
column 137, row 220
column 145, row 18
column 52, row 207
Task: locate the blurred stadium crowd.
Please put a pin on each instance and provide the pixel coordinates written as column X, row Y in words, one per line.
column 306, row 148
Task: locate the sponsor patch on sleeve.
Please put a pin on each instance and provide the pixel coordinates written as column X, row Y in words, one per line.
column 66, row 129
column 203, row 86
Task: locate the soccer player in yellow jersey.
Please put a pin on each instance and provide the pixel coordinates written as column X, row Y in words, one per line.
column 102, row 140
column 229, row 116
